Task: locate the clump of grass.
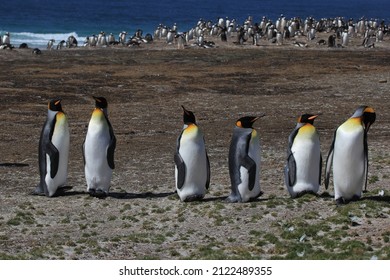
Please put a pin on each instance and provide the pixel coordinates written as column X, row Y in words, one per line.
column 21, row 218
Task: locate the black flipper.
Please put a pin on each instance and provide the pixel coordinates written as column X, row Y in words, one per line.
column 365, row 160
column 110, row 152
column 250, row 164
column 329, row 162
column 181, row 170
column 319, row 179
column 291, row 167
column 54, row 155
column 111, row 146
column 291, row 170
column 83, row 151
column 208, row 172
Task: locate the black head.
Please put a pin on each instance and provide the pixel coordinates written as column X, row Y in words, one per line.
column 366, row 114
column 247, row 122
column 55, row 105
column 369, row 117
column 307, row 118
column 100, row 102
column 188, row 116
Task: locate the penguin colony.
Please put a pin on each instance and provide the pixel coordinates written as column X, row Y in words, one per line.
column 283, row 30
column 347, row 158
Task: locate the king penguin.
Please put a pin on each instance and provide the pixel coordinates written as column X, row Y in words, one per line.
column 53, row 150
column 244, row 161
column 98, row 150
column 302, row 172
column 349, row 156
column 192, row 166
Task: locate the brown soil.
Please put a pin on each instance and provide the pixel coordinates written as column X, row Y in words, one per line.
column 145, row 86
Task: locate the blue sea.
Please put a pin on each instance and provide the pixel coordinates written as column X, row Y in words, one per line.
column 35, row 22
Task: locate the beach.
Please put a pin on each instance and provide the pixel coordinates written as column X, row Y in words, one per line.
column 145, row 86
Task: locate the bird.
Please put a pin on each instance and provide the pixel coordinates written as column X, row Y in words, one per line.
column 53, row 151
column 98, row 150
column 304, row 160
column 348, row 155
column 244, row 161
column 192, row 165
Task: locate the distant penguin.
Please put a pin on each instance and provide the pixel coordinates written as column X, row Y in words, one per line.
column 53, row 150
column 148, row 38
column 71, row 42
column 23, row 46
column 111, row 39
column 279, row 38
column 102, row 39
column 332, row 41
column 345, row 38
column 6, row 39
column 311, row 34
column 93, row 40
column 122, row 37
column 98, row 150
column 36, row 51
column 61, row 44
column 192, row 166
column 170, row 37
column 349, row 156
column 244, row 161
column 50, row 44
column 304, row 162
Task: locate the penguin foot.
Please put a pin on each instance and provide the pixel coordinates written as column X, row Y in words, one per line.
column 304, row 193
column 232, row 199
column 62, row 190
column 37, row 192
column 341, row 201
column 97, row 193
column 260, row 194
column 195, row 197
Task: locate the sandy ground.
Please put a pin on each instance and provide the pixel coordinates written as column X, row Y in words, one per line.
column 145, row 87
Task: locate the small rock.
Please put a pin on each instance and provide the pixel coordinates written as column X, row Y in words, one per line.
column 301, row 254
column 355, row 221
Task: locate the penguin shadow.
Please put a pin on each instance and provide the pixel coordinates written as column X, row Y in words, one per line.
column 67, row 191
column 61, row 192
column 378, row 198
column 224, row 199
column 145, row 195
column 13, row 164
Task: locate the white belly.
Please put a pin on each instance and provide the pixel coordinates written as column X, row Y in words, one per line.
column 60, row 140
column 193, row 154
column 307, row 158
column 254, row 153
column 97, row 171
column 348, row 164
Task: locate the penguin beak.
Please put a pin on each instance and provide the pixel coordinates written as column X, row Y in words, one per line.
column 256, row 118
column 369, row 117
column 313, row 117
column 57, row 102
column 185, row 111
column 96, row 99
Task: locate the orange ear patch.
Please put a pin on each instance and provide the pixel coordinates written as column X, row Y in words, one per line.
column 369, row 110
